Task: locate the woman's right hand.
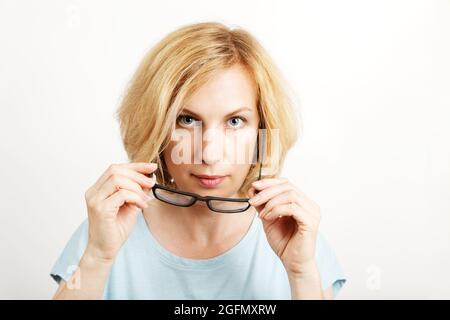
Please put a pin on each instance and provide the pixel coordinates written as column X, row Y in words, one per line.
column 113, row 203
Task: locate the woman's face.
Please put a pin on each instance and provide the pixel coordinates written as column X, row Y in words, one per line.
column 215, row 135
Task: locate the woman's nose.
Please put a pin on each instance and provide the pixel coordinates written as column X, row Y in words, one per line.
column 212, row 153
column 213, row 147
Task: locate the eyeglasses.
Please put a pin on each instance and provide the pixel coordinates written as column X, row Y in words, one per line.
column 187, row 199
column 217, row 204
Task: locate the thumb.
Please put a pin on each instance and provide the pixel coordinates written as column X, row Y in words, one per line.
column 252, row 192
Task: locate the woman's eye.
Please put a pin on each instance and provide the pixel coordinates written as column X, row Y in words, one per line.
column 236, row 122
column 186, row 121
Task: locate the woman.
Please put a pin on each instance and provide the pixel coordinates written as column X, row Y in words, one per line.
column 201, row 78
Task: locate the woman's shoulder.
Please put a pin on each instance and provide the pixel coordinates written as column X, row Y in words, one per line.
column 330, row 269
column 71, row 254
column 74, row 248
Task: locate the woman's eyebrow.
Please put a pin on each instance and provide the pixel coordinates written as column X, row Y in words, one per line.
column 239, row 110
column 228, row 115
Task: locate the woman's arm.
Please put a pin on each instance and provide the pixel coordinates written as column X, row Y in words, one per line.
column 291, row 220
column 88, row 281
column 112, row 205
column 301, row 293
column 308, row 286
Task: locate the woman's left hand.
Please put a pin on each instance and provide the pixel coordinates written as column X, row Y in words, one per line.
column 290, row 221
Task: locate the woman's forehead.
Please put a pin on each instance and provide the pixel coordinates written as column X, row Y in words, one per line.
column 224, row 93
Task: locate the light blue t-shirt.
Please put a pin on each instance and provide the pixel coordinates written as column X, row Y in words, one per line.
column 144, row 269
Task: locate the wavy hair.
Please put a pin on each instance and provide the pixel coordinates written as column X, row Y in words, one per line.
column 178, row 65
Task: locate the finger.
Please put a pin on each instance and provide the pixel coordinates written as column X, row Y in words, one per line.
column 146, row 189
column 306, row 202
column 282, row 198
column 265, row 183
column 117, row 181
column 121, row 197
column 266, row 194
column 137, row 171
column 251, row 193
column 285, row 210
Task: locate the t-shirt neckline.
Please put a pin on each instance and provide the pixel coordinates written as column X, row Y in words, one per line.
column 228, row 256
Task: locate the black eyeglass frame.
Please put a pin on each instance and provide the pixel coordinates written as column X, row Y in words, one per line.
column 195, row 197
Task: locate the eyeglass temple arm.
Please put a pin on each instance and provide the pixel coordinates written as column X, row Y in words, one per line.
column 262, row 152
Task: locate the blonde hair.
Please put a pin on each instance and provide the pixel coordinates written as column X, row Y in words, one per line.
column 179, row 64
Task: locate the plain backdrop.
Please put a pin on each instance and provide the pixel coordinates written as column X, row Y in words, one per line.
column 372, row 80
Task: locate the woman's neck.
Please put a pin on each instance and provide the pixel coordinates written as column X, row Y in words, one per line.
column 196, row 226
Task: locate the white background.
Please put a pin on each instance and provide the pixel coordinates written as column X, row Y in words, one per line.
column 372, row 79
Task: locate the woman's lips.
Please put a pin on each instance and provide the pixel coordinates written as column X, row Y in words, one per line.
column 209, row 181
